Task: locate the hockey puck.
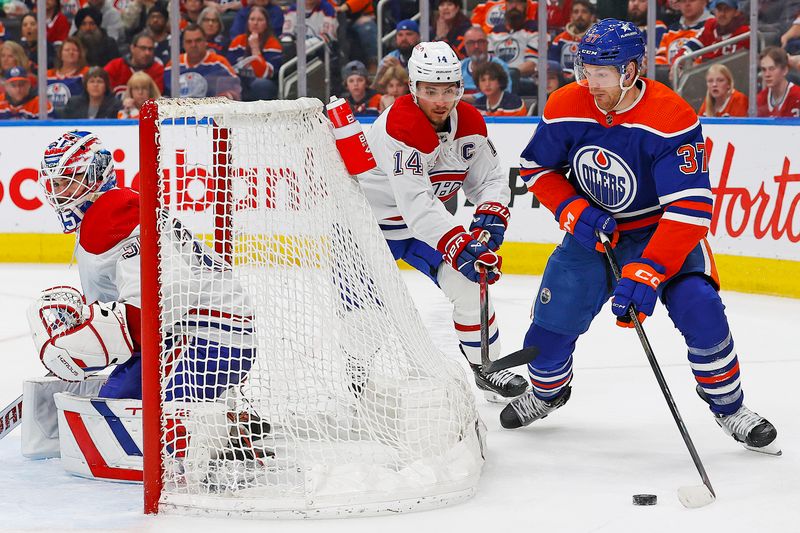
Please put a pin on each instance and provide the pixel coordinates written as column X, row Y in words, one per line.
column 644, row 499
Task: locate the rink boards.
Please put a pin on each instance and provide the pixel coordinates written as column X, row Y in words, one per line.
column 754, row 171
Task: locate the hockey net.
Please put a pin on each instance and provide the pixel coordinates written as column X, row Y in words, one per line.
column 287, row 372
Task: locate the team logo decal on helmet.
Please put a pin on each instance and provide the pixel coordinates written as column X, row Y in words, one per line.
column 606, row 177
column 74, row 171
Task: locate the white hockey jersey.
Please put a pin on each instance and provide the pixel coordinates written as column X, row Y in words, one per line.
column 109, row 264
column 418, row 169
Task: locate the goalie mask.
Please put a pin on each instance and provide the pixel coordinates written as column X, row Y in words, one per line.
column 75, row 170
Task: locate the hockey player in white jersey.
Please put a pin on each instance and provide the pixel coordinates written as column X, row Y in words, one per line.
column 427, row 146
column 77, row 335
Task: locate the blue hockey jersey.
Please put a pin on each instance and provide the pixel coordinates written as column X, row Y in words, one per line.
column 645, row 165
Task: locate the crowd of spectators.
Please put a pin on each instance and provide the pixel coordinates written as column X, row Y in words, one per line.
column 106, row 57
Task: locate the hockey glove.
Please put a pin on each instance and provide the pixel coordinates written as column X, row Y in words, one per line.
column 576, row 216
column 638, row 287
column 492, row 217
column 467, row 255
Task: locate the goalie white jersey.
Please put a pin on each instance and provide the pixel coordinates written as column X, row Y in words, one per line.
column 418, row 169
column 108, row 255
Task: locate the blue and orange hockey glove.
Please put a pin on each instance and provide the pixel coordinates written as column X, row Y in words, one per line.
column 583, row 221
column 492, row 217
column 638, row 287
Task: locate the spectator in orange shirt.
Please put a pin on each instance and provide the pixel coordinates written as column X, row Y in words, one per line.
column 66, row 80
column 495, row 100
column 722, row 99
column 693, row 17
column 362, row 99
column 20, row 101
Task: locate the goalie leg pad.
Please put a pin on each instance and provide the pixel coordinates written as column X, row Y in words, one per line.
column 465, row 297
column 40, row 416
column 100, row 438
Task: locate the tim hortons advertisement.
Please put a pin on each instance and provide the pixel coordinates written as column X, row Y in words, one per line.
column 754, row 169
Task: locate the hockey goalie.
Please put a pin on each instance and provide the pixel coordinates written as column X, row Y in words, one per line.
column 78, row 334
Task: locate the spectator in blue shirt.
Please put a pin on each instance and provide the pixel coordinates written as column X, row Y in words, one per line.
column 274, row 11
column 476, row 46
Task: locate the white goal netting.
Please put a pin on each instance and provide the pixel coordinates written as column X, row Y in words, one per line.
column 297, row 378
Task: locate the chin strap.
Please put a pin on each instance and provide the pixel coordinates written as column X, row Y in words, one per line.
column 625, row 90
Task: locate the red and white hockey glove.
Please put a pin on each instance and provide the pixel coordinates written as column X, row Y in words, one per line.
column 583, row 221
column 638, row 287
column 73, row 339
column 467, row 255
column 492, row 217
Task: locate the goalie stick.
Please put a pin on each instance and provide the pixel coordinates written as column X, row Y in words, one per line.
column 10, row 417
column 690, row 496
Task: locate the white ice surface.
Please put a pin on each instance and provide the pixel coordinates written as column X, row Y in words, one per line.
column 572, row 472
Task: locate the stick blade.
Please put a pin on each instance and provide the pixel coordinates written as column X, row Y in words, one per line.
column 696, row 496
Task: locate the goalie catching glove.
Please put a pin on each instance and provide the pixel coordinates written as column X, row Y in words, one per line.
column 75, row 340
column 492, row 217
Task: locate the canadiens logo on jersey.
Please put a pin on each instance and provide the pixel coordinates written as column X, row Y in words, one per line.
column 605, row 177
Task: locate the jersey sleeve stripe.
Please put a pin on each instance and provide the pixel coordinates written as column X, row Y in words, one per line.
column 686, row 193
column 703, row 205
column 687, row 219
column 639, row 224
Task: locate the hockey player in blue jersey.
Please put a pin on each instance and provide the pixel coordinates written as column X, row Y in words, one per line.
column 625, row 156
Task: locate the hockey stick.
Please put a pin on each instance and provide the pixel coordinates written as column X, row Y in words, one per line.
column 693, row 496
column 10, row 417
column 484, row 287
column 518, row 358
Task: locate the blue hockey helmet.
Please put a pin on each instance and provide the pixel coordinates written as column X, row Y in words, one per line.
column 610, row 43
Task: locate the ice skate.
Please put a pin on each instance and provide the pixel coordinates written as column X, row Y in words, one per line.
column 752, row 430
column 499, row 387
column 528, row 408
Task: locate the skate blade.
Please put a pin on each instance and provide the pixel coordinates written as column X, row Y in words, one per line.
column 773, row 448
column 493, row 397
column 695, row 496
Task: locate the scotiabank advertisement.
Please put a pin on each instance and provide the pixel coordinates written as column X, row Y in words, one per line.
column 754, row 169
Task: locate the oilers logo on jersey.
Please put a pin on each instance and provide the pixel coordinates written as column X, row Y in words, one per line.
column 508, row 50
column 605, row 177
